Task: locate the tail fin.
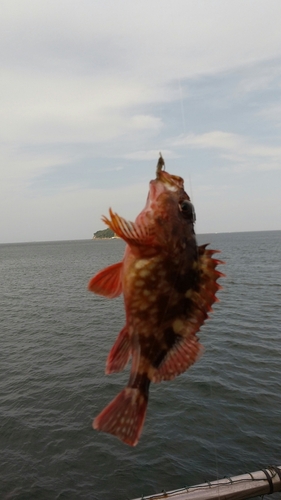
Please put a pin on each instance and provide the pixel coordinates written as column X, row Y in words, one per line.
column 124, row 416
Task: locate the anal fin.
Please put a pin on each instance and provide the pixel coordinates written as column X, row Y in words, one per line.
column 120, row 352
column 182, row 355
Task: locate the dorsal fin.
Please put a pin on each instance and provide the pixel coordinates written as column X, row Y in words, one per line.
column 187, row 349
column 131, row 232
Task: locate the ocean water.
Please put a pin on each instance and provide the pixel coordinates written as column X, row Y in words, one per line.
column 220, row 418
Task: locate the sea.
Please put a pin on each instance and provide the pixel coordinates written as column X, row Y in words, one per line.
column 220, row 418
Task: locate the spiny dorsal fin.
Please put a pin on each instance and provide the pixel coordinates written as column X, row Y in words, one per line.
column 131, row 232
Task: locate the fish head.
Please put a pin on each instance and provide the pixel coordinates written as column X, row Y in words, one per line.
column 168, row 208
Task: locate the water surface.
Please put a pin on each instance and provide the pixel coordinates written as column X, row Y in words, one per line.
column 222, row 417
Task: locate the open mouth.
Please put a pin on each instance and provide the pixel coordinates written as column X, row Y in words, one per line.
column 172, row 182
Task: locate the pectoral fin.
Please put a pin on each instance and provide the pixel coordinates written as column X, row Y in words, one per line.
column 108, row 282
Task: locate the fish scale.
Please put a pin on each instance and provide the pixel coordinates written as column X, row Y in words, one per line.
column 169, row 286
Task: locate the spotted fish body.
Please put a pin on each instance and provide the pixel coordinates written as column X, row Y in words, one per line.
column 169, row 285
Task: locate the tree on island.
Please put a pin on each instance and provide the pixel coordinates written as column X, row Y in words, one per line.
column 105, row 233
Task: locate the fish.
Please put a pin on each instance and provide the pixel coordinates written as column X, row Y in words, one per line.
column 169, row 285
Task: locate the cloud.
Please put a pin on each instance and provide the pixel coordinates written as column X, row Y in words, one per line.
column 57, row 109
column 216, row 139
column 271, row 113
column 79, row 74
column 151, row 154
column 90, row 88
column 146, row 122
column 152, row 39
column 66, row 214
column 235, row 148
column 259, row 78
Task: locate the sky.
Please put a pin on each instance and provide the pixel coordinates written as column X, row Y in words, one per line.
column 91, row 91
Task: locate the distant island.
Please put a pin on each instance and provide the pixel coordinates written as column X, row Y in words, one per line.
column 104, row 234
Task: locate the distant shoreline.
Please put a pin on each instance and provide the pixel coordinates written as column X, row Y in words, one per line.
column 104, row 234
column 111, row 238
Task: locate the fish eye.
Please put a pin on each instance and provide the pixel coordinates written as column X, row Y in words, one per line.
column 187, row 210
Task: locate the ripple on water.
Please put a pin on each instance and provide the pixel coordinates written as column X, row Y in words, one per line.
column 222, row 417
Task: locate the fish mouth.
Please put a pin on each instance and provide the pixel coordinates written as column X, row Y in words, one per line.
column 164, row 182
column 171, row 182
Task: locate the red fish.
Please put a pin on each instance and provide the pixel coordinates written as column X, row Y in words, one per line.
column 169, row 285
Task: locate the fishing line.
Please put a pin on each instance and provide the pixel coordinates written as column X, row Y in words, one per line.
column 213, row 416
column 184, row 133
column 214, row 424
column 182, row 108
column 159, row 166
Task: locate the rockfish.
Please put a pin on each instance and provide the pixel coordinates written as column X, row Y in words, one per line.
column 169, row 285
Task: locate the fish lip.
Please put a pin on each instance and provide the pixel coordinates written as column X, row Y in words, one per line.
column 156, row 188
column 172, row 182
column 164, row 182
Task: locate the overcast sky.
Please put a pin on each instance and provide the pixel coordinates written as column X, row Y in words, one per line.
column 92, row 90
